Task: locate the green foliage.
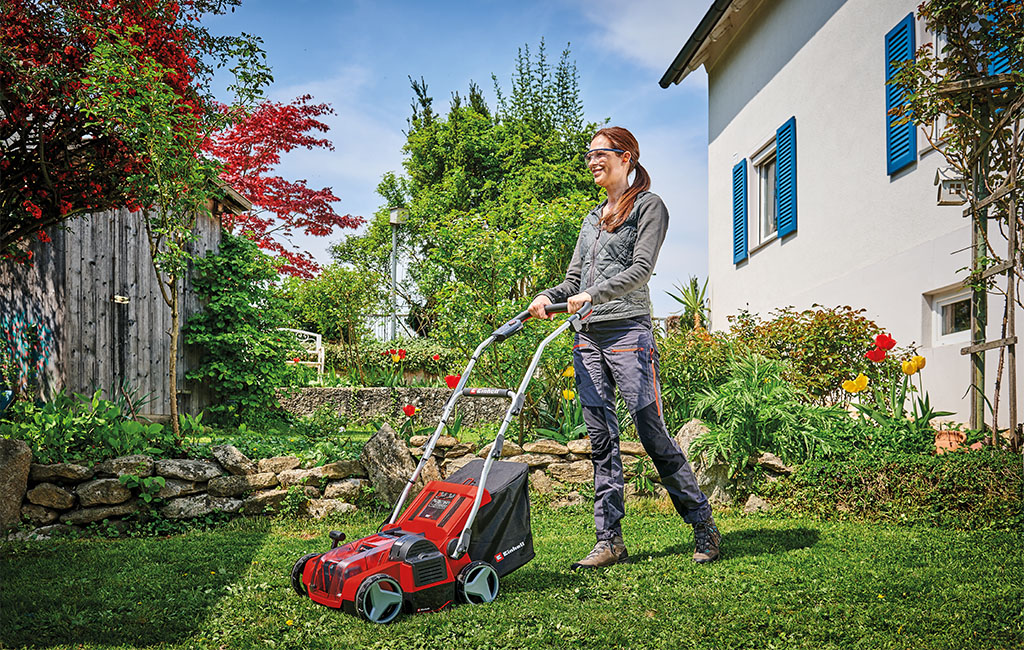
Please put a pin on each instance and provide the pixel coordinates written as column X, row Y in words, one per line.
column 244, row 355
column 897, row 430
column 691, row 361
column 693, row 298
column 293, row 502
column 82, row 429
column 757, row 410
column 821, row 346
column 560, row 411
column 494, row 203
column 965, row 491
column 148, row 486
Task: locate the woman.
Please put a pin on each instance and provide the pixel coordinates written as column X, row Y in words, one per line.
column 614, row 257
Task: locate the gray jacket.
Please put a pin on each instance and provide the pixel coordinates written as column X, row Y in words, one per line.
column 614, row 267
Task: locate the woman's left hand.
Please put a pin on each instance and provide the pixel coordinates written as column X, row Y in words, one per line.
column 576, row 302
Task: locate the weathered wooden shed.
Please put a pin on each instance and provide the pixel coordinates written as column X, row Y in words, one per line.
column 87, row 314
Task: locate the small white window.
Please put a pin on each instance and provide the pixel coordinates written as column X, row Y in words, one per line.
column 952, row 316
column 766, row 204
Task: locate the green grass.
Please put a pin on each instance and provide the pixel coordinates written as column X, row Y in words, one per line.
column 783, row 583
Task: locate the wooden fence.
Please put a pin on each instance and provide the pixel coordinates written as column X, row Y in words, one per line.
column 88, row 313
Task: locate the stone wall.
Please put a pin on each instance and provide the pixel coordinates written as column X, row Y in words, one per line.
column 362, row 404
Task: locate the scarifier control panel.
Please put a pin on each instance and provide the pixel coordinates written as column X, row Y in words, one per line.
column 436, row 507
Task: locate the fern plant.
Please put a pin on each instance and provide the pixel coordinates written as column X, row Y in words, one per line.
column 757, row 411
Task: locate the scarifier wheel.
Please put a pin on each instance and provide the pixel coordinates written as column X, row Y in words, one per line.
column 477, row 583
column 297, row 570
column 379, row 599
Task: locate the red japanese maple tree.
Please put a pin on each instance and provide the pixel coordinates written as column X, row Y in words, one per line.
column 250, row 150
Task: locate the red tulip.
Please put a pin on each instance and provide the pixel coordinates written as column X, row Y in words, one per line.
column 452, row 380
column 875, row 354
column 296, row 360
column 401, row 354
column 885, row 342
column 436, row 357
column 409, row 410
column 392, row 352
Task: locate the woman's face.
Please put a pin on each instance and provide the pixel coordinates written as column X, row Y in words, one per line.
column 609, row 168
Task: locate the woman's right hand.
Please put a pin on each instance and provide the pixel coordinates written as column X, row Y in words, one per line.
column 536, row 307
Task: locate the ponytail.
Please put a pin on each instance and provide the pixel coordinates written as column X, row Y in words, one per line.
column 623, row 139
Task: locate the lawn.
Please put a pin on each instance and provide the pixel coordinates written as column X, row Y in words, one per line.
column 783, row 583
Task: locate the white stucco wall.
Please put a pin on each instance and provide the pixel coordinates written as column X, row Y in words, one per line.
column 864, row 238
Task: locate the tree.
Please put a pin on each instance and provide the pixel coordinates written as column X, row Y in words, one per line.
column 972, row 90
column 494, row 201
column 59, row 162
column 249, row 150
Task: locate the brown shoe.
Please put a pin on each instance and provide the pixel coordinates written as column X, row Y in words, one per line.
column 706, row 538
column 605, row 553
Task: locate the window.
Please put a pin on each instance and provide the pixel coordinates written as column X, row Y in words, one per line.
column 952, row 317
column 767, row 203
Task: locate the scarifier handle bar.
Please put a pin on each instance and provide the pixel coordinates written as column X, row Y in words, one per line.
column 458, row 391
column 516, row 324
column 507, row 393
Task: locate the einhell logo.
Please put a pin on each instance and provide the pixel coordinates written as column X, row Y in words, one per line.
column 501, row 556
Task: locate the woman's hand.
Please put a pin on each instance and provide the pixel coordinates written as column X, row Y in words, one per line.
column 536, row 307
column 576, row 302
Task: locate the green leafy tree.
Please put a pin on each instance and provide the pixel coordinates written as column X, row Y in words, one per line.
column 244, row 354
column 494, row 200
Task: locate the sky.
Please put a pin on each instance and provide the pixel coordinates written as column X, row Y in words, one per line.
column 358, row 55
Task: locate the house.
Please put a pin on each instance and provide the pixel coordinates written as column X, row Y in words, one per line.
column 88, row 315
column 814, row 196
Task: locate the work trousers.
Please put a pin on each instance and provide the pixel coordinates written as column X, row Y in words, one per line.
column 621, row 353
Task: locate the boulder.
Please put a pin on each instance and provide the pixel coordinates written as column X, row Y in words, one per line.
column 546, row 447
column 580, row 446
column 451, row 465
column 38, row 515
column 755, row 504
column 234, row 461
column 89, row 515
column 102, row 492
column 137, row 464
column 59, row 473
column 44, row 533
column 177, row 488
column 264, row 501
column 445, row 442
column 291, row 477
column 632, row 448
column 229, row 486
column 508, row 448
column 15, row 466
column 320, row 508
column 390, row 465
column 198, row 506
column 349, row 489
column 773, row 463
column 538, row 460
column 541, row 482
column 712, row 477
column 342, row 469
column 418, row 441
column 688, row 433
column 582, row 471
column 188, row 469
column 277, row 464
column 49, row 495
column 460, row 449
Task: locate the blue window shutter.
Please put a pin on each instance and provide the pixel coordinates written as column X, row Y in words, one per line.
column 739, row 212
column 785, row 177
column 900, row 139
column 999, row 63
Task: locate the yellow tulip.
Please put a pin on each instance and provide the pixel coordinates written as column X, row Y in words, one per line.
column 861, row 381
column 918, row 362
column 395, row 358
column 568, row 394
column 908, row 367
column 569, row 372
column 849, row 386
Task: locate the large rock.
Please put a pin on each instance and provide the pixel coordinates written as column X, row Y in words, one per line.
column 342, row 469
column 461, row 449
column 712, row 476
column 234, row 461
column 320, row 508
column 45, row 533
column 291, row 477
column 15, row 464
column 198, row 506
column 508, row 448
column 102, row 492
column 582, row 471
column 632, row 448
column 89, row 515
column 277, row 464
column 349, row 489
column 541, row 482
column 137, row 464
column 451, row 465
column 264, row 501
column 49, row 495
column 188, row 469
column 774, row 464
column 390, row 465
column 59, row 473
column 174, row 487
column 755, row 504
column 580, row 446
column 38, row 515
column 537, row 460
column 229, row 486
column 546, row 447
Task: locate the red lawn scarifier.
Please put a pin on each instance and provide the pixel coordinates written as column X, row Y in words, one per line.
column 456, row 539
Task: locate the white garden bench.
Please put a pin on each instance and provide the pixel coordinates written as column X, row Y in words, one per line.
column 313, row 345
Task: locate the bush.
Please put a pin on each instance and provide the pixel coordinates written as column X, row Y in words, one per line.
column 822, row 346
column 963, row 491
column 692, row 361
